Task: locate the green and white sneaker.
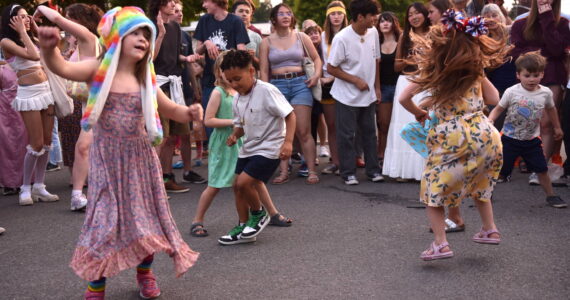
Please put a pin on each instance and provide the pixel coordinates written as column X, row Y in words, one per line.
column 235, row 237
column 255, row 224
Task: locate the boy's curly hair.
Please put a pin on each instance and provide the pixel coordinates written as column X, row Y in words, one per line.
column 450, row 62
column 237, row 59
column 533, row 62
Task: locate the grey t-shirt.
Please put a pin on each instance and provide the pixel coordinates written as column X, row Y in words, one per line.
column 261, row 114
column 524, row 110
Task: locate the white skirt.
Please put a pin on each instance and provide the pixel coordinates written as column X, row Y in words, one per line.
column 400, row 159
column 33, row 97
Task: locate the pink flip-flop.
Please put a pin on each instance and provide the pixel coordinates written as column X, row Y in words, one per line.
column 436, row 252
column 483, row 237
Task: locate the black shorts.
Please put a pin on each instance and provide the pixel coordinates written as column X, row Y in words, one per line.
column 530, row 151
column 257, row 166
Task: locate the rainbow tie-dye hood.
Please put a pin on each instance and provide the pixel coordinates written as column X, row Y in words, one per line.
column 113, row 27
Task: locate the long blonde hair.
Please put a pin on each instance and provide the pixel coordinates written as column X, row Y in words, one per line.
column 218, row 73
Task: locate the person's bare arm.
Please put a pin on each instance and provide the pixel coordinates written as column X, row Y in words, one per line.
column 287, row 147
column 399, row 63
column 314, row 55
column 406, row 101
column 495, row 113
column 377, row 82
column 86, row 40
column 553, row 115
column 29, row 50
column 236, row 134
column 264, row 60
column 490, row 93
column 341, row 74
column 213, row 105
column 159, row 36
column 176, row 112
column 76, row 71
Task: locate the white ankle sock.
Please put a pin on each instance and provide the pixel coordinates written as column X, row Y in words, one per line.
column 76, row 193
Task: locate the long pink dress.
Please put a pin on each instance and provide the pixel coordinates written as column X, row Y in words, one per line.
column 128, row 216
column 13, row 136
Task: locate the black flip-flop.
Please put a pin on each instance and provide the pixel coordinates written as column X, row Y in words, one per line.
column 198, row 227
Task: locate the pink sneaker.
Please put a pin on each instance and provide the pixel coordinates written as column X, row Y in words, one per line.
column 147, row 285
column 89, row 295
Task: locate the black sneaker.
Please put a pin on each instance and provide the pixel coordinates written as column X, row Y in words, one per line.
column 193, row 177
column 51, row 167
column 556, row 201
column 11, row 191
column 234, row 237
column 255, row 224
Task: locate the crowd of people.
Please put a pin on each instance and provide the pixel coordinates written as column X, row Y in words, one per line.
column 420, row 102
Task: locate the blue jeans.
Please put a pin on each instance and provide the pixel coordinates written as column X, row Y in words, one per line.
column 295, row 90
column 55, row 153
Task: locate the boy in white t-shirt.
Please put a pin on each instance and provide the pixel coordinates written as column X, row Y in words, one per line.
column 525, row 102
column 354, row 61
column 266, row 120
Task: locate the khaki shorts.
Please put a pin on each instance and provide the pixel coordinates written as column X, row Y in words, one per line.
column 173, row 128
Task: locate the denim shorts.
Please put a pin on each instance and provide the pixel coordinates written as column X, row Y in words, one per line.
column 387, row 93
column 295, row 90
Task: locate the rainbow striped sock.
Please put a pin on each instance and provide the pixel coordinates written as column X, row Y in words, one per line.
column 144, row 266
column 97, row 285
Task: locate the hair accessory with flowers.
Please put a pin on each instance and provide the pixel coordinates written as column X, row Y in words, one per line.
column 453, row 19
column 476, row 26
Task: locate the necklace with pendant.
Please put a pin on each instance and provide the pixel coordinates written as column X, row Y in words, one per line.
column 242, row 117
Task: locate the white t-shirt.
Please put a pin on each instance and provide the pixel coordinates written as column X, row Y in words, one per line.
column 356, row 55
column 524, row 110
column 261, row 114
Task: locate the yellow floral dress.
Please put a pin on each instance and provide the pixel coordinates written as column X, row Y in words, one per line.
column 465, row 153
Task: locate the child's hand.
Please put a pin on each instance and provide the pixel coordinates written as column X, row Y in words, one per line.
column 285, row 151
column 196, row 112
column 422, row 117
column 361, row 85
column 558, row 134
column 49, row 37
column 232, row 140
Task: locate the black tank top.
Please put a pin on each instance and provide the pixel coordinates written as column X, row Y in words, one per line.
column 387, row 74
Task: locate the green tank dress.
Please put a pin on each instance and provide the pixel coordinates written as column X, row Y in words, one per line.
column 222, row 159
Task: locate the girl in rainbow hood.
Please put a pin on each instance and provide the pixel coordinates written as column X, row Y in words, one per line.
column 128, row 217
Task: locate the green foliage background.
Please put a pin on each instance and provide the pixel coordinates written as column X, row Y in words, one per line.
column 303, row 9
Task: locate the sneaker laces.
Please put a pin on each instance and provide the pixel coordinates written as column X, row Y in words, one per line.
column 236, row 230
column 147, row 283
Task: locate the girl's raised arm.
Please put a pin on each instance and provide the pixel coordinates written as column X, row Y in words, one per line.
column 76, row 71
column 86, row 39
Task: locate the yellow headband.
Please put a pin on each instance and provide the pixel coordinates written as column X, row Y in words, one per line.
column 335, row 9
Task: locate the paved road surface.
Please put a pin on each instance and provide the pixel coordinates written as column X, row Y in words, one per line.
column 357, row 242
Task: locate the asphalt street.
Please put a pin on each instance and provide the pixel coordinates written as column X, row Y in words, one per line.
column 347, row 242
